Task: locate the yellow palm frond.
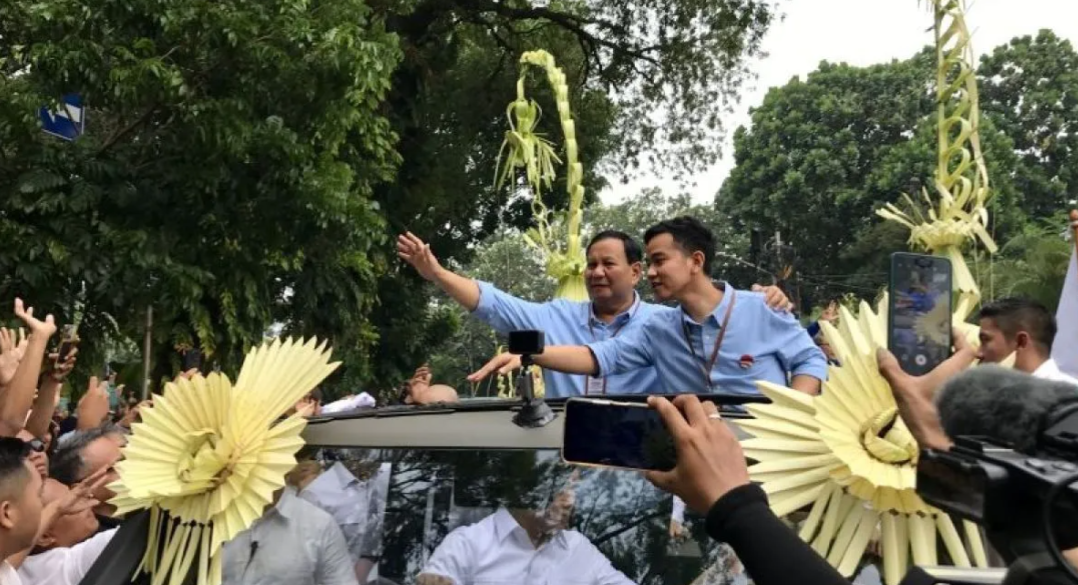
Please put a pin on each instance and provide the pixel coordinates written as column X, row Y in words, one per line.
column 208, row 456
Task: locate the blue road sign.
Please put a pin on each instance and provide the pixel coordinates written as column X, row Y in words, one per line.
column 68, row 119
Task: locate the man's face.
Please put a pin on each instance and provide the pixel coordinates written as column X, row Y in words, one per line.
column 23, row 513
column 68, row 529
column 995, row 347
column 670, row 269
column 103, row 453
column 609, row 275
column 37, row 457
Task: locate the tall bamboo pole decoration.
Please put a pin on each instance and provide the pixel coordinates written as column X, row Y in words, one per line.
column 961, row 178
column 524, row 149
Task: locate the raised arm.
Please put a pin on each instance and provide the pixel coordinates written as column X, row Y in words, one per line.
column 19, row 395
column 500, row 310
column 414, row 251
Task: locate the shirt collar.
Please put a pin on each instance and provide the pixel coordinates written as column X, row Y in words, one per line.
column 286, row 505
column 505, row 524
column 1048, row 370
column 717, row 315
column 620, row 320
column 342, row 475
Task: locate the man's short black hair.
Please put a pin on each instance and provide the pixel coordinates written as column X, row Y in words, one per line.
column 1015, row 314
column 13, row 473
column 633, row 252
column 689, row 233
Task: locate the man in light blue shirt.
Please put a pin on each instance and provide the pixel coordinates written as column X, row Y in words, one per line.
column 720, row 340
column 613, row 270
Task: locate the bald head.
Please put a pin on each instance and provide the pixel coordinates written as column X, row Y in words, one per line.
column 68, row 529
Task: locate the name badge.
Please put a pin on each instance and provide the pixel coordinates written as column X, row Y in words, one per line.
column 595, row 386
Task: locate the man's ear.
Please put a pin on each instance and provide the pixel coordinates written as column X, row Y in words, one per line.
column 7, row 515
column 637, row 268
column 46, row 540
column 698, row 260
column 1022, row 340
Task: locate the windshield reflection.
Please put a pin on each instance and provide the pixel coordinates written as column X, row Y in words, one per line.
column 461, row 517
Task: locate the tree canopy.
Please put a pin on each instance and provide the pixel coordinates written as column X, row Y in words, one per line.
column 825, row 152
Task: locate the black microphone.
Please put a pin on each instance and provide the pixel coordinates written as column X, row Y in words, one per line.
column 1004, row 405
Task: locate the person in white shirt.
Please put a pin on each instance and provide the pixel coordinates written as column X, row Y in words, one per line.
column 1025, row 328
column 521, row 547
column 67, row 549
column 293, row 543
column 357, row 506
column 20, row 505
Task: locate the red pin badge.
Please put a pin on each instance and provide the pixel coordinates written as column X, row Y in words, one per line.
column 746, row 361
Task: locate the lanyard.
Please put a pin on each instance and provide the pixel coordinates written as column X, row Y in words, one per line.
column 588, row 380
column 718, row 342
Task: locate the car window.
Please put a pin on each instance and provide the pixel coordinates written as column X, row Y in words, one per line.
column 399, row 506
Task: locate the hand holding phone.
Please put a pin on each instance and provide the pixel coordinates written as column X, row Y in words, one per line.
column 68, row 340
column 919, row 315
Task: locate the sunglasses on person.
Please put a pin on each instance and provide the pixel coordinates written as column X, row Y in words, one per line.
column 36, row 445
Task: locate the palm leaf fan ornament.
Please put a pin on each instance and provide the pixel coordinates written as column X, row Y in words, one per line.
column 526, row 150
column 849, row 455
column 208, row 456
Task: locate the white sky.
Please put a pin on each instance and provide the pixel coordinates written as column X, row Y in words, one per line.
column 859, row 32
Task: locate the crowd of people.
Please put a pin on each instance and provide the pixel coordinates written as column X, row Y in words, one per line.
column 324, row 528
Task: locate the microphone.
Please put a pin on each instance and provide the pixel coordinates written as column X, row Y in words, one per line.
column 1004, row 405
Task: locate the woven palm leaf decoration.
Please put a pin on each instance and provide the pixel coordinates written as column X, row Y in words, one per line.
column 525, row 149
column 208, row 456
column 959, row 214
column 850, row 456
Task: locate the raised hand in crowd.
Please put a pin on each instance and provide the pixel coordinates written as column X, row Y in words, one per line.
column 12, row 347
column 132, row 415
column 93, row 407
column 18, row 395
column 48, row 395
column 774, row 297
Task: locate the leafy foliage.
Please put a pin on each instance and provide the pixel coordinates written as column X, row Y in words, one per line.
column 823, row 153
column 225, row 177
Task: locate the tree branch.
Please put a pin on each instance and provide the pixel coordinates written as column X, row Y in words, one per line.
column 118, row 135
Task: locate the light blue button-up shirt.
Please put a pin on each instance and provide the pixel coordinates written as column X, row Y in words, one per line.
column 760, row 344
column 570, row 323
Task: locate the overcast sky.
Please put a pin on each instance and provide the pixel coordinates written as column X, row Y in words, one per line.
column 860, row 32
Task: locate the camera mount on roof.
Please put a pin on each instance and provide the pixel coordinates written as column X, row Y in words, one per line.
column 534, row 412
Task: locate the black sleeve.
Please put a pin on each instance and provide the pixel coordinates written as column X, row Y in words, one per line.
column 771, row 552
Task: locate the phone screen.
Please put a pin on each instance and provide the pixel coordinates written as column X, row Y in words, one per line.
column 615, row 434
column 919, row 319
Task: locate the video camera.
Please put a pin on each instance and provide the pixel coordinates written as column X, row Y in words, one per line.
column 1026, row 502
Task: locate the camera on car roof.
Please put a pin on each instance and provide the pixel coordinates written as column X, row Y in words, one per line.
column 526, row 342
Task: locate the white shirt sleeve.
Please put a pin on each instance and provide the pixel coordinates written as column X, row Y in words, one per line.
column 334, row 563
column 85, row 554
column 601, row 570
column 451, row 559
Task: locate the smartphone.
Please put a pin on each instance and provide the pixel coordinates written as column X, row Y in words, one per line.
column 68, row 340
column 604, row 433
column 919, row 315
column 192, row 360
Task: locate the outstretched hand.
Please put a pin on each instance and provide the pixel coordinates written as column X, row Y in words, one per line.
column 501, row 364
column 12, row 348
column 414, row 251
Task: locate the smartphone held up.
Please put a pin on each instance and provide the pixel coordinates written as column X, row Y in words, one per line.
column 919, row 314
column 625, row 435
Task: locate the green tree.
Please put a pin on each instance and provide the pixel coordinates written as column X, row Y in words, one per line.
column 1029, row 87
column 805, row 166
column 822, row 154
column 628, row 64
column 1032, row 264
column 225, row 177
